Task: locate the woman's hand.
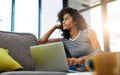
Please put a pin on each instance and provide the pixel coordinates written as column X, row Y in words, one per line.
column 58, row 26
column 74, row 61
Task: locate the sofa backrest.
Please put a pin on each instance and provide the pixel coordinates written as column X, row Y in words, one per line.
column 19, row 47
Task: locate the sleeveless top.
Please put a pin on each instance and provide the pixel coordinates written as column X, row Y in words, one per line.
column 80, row 46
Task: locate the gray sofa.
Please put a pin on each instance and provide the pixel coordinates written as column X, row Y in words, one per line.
column 18, row 45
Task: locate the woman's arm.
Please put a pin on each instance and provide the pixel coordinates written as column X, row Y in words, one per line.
column 94, row 41
column 44, row 38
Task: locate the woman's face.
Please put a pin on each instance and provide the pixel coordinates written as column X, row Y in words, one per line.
column 67, row 22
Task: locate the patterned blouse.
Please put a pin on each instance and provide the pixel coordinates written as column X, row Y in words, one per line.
column 80, row 46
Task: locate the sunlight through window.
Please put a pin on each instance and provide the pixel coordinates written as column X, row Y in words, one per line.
column 114, row 25
column 96, row 24
column 26, row 16
column 5, row 14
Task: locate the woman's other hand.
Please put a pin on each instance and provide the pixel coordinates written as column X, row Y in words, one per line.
column 74, row 61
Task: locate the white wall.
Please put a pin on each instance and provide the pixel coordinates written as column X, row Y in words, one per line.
column 50, row 8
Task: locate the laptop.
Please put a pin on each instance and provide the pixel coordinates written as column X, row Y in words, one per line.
column 49, row 57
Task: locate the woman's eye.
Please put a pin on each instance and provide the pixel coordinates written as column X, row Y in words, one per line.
column 66, row 18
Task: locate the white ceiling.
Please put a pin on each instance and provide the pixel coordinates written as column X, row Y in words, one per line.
column 84, row 4
column 90, row 2
column 78, row 4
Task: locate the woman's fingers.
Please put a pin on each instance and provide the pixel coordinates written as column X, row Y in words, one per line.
column 58, row 26
column 70, row 61
column 77, row 62
column 74, row 61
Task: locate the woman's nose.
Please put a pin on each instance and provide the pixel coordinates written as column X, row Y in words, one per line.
column 63, row 21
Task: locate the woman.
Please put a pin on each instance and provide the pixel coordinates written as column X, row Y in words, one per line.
column 79, row 40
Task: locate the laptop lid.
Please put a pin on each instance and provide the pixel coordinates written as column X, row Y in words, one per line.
column 49, row 57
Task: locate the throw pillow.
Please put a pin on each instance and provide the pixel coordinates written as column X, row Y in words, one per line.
column 7, row 63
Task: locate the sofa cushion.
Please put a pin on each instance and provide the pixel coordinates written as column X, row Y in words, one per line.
column 7, row 63
column 19, row 47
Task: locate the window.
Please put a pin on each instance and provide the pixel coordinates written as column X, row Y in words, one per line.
column 50, row 8
column 96, row 24
column 114, row 25
column 113, row 21
column 5, row 14
column 26, row 16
